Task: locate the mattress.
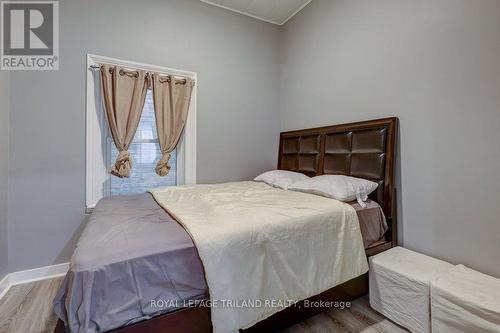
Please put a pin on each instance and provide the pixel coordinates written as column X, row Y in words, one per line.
column 132, row 252
column 294, row 245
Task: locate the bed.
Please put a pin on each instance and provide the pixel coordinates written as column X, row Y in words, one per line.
column 168, row 267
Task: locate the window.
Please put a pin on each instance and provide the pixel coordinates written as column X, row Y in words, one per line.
column 145, row 151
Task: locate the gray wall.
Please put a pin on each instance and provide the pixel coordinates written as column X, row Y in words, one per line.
column 237, row 63
column 435, row 65
column 4, row 170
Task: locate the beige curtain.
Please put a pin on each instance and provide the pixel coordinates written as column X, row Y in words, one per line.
column 124, row 94
column 171, row 100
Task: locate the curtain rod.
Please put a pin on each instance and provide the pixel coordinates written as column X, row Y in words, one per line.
column 181, row 81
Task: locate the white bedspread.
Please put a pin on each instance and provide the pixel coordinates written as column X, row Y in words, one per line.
column 261, row 243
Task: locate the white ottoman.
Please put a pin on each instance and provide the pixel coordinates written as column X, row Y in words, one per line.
column 464, row 300
column 400, row 286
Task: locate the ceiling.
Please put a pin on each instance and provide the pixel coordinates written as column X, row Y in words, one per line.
column 272, row 11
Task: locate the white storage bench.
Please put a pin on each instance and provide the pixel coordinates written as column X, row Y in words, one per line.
column 464, row 300
column 400, row 286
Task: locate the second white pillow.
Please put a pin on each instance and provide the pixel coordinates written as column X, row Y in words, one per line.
column 339, row 187
column 280, row 178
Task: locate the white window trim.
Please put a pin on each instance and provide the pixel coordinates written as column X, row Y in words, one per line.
column 97, row 172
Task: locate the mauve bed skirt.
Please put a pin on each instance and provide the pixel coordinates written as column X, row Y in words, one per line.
column 134, row 262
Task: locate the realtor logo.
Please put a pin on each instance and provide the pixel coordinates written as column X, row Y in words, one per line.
column 30, row 35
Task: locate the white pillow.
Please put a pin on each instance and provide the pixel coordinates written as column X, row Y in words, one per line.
column 339, row 187
column 280, row 178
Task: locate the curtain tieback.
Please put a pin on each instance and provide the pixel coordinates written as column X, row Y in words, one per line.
column 122, row 165
column 163, row 168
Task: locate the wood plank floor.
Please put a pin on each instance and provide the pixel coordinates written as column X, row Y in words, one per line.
column 360, row 317
column 27, row 308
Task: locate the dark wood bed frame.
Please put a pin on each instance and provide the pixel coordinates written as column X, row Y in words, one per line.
column 364, row 149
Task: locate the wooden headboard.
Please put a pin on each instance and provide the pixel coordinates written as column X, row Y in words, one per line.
column 364, row 149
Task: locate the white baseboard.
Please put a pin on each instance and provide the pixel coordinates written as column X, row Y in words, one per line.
column 32, row 275
column 4, row 285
